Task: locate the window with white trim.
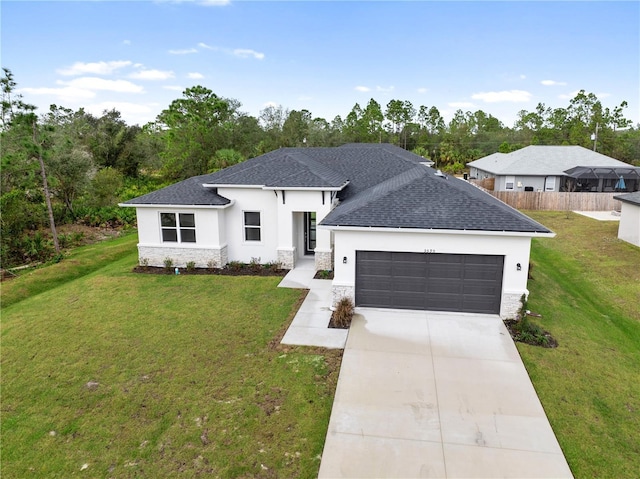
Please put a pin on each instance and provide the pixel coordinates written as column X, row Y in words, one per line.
column 178, row 227
column 509, row 182
column 252, row 226
column 550, row 183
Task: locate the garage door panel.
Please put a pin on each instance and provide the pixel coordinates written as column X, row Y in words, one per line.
column 440, row 282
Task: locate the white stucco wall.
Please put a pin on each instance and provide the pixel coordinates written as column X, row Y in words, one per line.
column 209, row 243
column 251, row 199
column 515, row 249
column 629, row 227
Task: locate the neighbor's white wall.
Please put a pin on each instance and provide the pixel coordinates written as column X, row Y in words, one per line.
column 629, row 227
column 515, row 249
column 536, row 181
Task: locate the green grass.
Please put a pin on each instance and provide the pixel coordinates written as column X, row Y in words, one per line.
column 586, row 285
column 189, row 383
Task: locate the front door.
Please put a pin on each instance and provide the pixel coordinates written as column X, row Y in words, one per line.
column 309, row 232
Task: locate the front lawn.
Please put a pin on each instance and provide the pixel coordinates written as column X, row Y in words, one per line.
column 586, row 285
column 108, row 373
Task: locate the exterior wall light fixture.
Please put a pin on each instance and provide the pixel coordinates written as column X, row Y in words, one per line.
column 519, row 267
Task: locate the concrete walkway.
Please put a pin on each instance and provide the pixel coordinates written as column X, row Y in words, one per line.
column 424, row 394
column 601, row 215
column 310, row 324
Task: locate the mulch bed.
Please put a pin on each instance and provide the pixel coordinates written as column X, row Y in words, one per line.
column 551, row 342
column 241, row 271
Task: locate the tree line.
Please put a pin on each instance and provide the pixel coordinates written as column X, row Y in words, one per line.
column 65, row 166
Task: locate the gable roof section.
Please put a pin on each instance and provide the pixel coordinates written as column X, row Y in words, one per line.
column 538, row 160
column 421, row 199
column 188, row 192
column 283, row 168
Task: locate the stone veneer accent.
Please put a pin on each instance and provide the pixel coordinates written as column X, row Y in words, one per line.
column 155, row 256
column 287, row 258
column 324, row 260
column 510, row 305
column 340, row 291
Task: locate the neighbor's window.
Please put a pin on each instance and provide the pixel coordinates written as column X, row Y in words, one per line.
column 550, row 183
column 181, row 225
column 252, row 226
column 509, row 181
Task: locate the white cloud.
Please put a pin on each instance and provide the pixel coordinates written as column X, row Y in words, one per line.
column 515, row 96
column 553, row 83
column 423, row 90
column 568, row 96
column 305, row 98
column 126, row 42
column 208, row 47
column 385, row 89
column 603, row 95
column 270, row 103
column 460, row 104
column 173, row 87
column 132, row 113
column 185, row 51
column 362, row 88
column 523, row 77
column 96, row 68
column 67, row 94
column 195, row 76
column 93, row 83
column 152, row 75
column 247, row 52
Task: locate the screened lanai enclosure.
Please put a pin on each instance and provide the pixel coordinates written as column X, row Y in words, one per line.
column 604, row 179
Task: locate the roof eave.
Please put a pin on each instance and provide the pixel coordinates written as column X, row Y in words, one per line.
column 175, row 206
column 532, row 234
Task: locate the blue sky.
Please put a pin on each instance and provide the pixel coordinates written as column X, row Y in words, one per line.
column 500, row 57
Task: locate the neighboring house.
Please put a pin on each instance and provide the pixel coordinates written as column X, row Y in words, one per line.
column 402, row 234
column 629, row 228
column 555, row 168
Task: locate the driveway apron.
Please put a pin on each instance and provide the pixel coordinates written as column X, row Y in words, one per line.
column 424, row 394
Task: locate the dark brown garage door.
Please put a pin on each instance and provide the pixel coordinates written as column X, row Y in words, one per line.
column 429, row 281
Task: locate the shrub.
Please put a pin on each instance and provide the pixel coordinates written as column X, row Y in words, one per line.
column 191, row 266
column 168, row 264
column 343, row 314
column 324, row 274
column 211, row 264
column 255, row 265
column 144, row 261
column 235, row 265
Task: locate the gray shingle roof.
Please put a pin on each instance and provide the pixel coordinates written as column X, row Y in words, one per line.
column 386, row 187
column 283, row 168
column 187, row 192
column 633, row 198
column 538, row 160
column 420, row 199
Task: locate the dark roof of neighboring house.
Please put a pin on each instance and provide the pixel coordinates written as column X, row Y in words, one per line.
column 543, row 160
column 633, row 198
column 187, row 192
column 379, row 185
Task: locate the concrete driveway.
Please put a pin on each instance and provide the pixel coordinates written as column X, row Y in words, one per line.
column 424, row 394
